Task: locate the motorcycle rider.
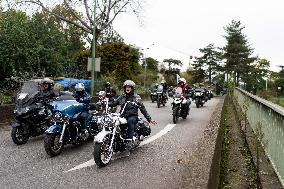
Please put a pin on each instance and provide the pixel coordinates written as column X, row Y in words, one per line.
column 82, row 96
column 130, row 111
column 47, row 91
column 110, row 92
column 165, row 89
column 185, row 91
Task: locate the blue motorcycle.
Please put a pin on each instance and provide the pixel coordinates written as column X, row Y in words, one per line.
column 66, row 127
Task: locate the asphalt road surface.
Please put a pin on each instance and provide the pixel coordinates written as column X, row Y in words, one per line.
column 156, row 164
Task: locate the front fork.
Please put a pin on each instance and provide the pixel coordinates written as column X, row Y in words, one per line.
column 62, row 133
column 112, row 139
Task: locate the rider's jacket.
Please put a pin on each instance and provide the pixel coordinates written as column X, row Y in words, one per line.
column 83, row 97
column 131, row 108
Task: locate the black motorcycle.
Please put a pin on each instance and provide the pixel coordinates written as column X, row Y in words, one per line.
column 199, row 97
column 153, row 95
column 32, row 113
column 161, row 96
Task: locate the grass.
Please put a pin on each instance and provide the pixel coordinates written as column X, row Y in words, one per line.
column 225, row 148
column 277, row 100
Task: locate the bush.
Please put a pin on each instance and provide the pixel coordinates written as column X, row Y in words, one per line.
column 5, row 99
column 266, row 94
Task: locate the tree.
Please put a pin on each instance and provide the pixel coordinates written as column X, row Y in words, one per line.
column 172, row 62
column 152, row 64
column 208, row 63
column 120, row 60
column 254, row 78
column 106, row 13
column 237, row 52
column 31, row 46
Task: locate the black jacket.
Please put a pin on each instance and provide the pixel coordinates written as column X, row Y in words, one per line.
column 131, row 109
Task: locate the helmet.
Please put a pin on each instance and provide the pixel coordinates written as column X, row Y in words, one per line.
column 47, row 82
column 201, row 85
column 107, row 84
column 129, row 83
column 181, row 80
column 163, row 82
column 80, row 87
column 156, row 84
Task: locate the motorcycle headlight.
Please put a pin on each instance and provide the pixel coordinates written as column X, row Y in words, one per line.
column 23, row 110
column 58, row 117
column 198, row 94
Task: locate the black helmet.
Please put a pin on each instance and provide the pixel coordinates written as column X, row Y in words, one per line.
column 48, row 82
column 107, row 85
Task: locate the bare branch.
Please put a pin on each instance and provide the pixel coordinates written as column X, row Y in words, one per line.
column 115, row 15
column 86, row 29
column 88, row 13
column 76, row 16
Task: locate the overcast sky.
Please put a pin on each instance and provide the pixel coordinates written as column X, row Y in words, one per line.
column 179, row 28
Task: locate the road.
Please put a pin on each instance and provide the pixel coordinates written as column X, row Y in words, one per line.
column 154, row 165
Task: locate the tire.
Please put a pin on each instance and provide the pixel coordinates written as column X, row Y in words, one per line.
column 99, row 151
column 49, row 144
column 158, row 103
column 175, row 115
column 18, row 136
column 197, row 104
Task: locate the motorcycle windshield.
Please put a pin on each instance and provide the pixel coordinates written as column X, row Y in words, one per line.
column 27, row 94
column 67, row 107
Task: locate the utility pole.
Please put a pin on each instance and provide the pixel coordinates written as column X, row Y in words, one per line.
column 94, row 75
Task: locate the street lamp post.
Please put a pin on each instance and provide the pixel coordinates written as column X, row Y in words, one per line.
column 145, row 68
column 94, row 52
column 145, row 65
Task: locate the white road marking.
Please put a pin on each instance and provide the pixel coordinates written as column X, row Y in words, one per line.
column 164, row 131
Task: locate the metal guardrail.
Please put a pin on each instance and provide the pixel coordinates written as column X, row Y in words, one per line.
column 271, row 118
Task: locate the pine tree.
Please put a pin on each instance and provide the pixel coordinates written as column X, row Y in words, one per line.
column 237, row 52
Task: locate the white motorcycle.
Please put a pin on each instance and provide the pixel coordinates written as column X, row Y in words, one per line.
column 112, row 138
column 179, row 105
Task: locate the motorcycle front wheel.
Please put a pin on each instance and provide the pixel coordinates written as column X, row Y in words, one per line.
column 102, row 152
column 197, row 102
column 158, row 102
column 18, row 136
column 52, row 145
column 175, row 115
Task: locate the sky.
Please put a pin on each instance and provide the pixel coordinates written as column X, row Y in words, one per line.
column 177, row 29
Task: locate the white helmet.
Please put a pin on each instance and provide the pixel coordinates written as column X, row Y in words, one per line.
column 79, row 87
column 129, row 83
column 182, row 80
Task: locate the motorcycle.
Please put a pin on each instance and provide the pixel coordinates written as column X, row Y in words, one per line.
column 153, row 95
column 179, row 105
column 199, row 98
column 161, row 96
column 32, row 113
column 112, row 138
column 101, row 104
column 66, row 127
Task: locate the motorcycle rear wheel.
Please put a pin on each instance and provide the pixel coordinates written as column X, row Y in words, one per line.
column 158, row 103
column 18, row 136
column 101, row 153
column 52, row 145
